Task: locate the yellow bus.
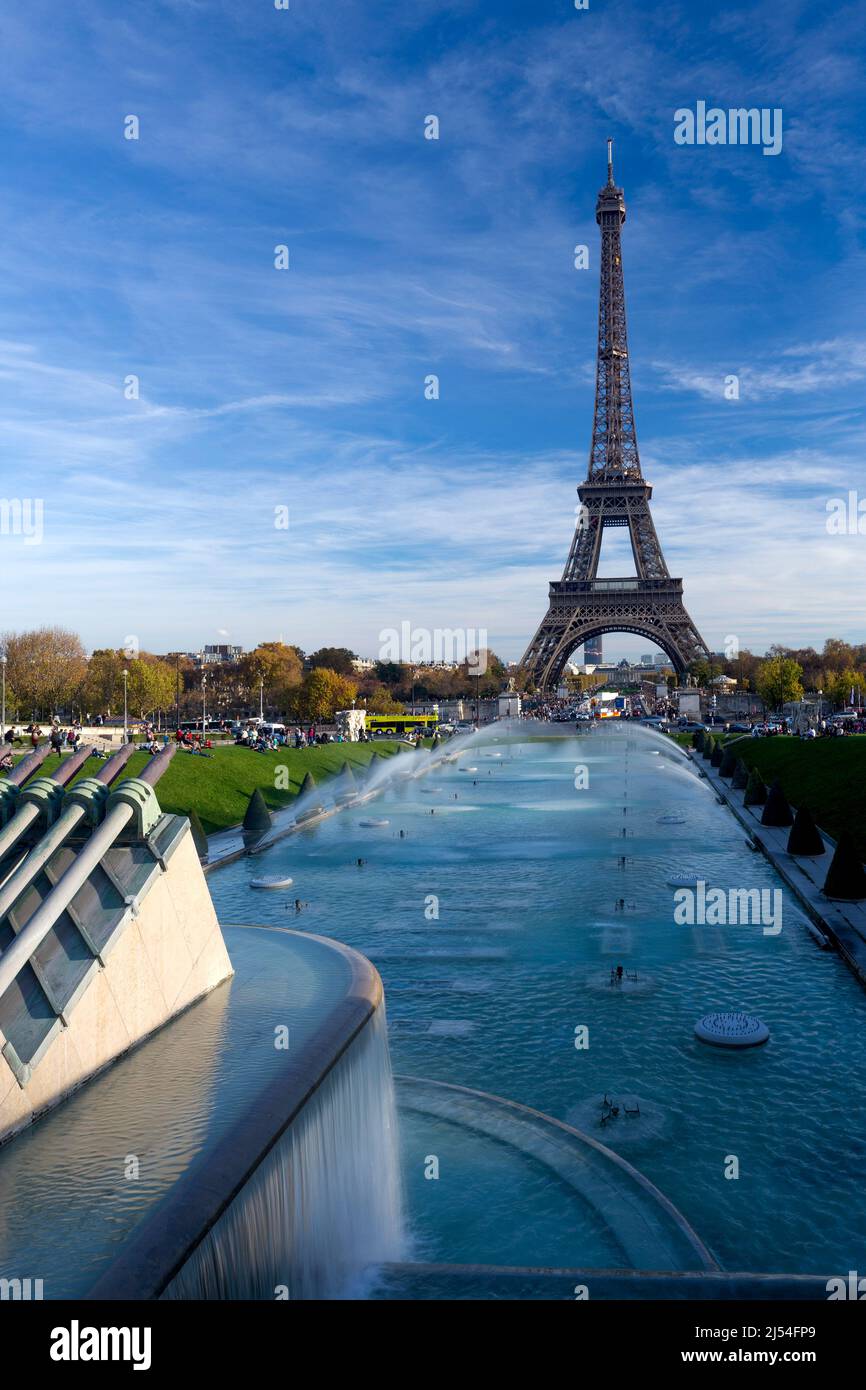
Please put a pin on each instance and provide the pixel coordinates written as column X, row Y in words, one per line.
column 401, row 723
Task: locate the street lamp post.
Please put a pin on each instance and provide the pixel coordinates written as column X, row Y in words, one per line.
column 177, row 691
column 262, row 699
column 3, row 660
column 125, row 719
column 203, row 705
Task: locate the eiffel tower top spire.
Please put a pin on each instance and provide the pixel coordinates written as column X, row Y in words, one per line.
column 613, row 454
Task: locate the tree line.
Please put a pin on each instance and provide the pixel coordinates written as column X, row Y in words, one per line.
column 49, row 672
column 786, row 674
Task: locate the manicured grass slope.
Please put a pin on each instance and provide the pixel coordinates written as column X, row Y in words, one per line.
column 827, row 775
column 219, row 787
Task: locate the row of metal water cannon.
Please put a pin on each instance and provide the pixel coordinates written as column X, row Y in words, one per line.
column 43, row 800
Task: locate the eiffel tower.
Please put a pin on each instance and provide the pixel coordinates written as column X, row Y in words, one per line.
column 615, row 494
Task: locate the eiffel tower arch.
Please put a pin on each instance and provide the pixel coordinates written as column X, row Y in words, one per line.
column 582, row 606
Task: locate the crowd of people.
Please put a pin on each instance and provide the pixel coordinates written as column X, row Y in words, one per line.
column 58, row 737
column 186, row 739
column 263, row 738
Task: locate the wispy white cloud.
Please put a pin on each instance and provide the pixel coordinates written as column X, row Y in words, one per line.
column 409, row 258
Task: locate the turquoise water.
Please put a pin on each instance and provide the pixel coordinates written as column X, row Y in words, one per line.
column 526, row 873
column 75, row 1186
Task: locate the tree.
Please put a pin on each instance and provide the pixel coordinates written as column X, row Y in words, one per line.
column 756, row 789
column 257, row 819
column 705, row 671
column 776, row 808
column 805, row 837
column 841, row 683
column 322, row 693
column 380, row 701
column 837, row 654
column 481, row 675
column 45, row 667
column 778, row 681
column 389, row 672
column 101, row 679
column 742, row 668
column 337, row 659
column 845, row 877
column 728, row 765
column 279, row 666
column 150, row 684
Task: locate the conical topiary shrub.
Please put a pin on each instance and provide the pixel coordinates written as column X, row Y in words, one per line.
column 257, row 821
column 845, row 876
column 805, row 837
column 709, row 745
column 776, row 808
column 728, row 765
column 740, row 778
column 698, row 739
column 756, row 789
column 199, row 838
column 717, row 754
column 315, row 807
column 346, row 785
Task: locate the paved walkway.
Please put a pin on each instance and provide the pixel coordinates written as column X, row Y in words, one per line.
column 843, row 922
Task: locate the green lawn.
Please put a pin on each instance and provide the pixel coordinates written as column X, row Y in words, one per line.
column 826, row 774
column 219, row 787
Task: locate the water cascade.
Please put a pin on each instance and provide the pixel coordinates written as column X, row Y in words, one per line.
column 325, row 1203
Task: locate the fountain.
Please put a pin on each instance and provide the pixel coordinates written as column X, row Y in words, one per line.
column 186, row 1125
column 732, row 1029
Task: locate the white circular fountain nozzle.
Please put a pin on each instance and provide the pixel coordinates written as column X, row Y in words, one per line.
column 271, row 881
column 731, row 1030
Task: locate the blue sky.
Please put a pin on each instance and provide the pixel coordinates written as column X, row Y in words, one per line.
column 305, row 388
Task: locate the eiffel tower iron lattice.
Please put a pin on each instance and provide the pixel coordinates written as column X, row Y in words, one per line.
column 581, row 606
